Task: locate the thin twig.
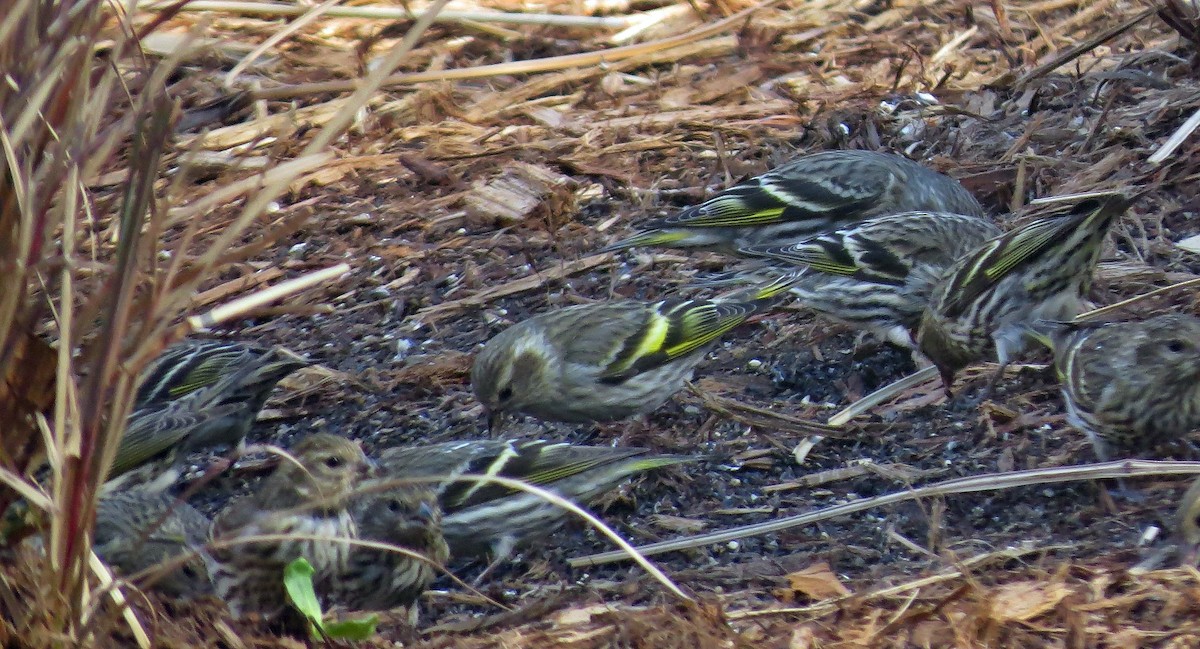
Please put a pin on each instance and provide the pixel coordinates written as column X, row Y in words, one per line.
column 258, row 298
column 1079, row 49
column 402, row 13
column 1105, row 310
column 882, row 395
column 583, row 59
column 987, row 482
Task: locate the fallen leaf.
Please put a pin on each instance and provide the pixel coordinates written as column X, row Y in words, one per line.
column 817, row 582
column 1024, row 601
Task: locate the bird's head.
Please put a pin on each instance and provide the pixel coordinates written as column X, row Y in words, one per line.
column 512, row 373
column 407, row 516
column 1170, row 346
column 330, row 466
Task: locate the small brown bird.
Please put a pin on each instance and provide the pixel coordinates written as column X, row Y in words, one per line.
column 986, row 303
column 200, row 394
column 879, row 274
column 808, row 196
column 605, row 361
column 308, row 497
column 138, row 529
column 408, row 517
column 479, row 517
column 1129, row 385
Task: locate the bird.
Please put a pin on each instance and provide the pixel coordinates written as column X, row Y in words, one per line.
column 1129, row 386
column 1187, row 524
column 139, row 529
column 308, row 496
column 481, row 518
column 879, row 274
column 810, row 195
column 199, row 394
column 406, row 516
column 1042, row 270
column 605, row 361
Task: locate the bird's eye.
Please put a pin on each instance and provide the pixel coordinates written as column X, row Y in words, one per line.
column 189, row 572
column 393, row 506
column 505, row 393
column 333, row 462
column 1175, row 346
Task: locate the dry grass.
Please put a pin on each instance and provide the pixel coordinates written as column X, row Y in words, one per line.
column 123, row 211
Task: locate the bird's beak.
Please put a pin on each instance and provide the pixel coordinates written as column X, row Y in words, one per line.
column 425, row 513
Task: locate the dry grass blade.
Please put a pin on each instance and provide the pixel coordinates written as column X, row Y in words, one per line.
column 1098, row 313
column 258, row 298
column 404, row 13
column 989, row 482
column 604, row 57
column 882, row 395
column 59, row 129
column 761, row 418
column 1075, row 51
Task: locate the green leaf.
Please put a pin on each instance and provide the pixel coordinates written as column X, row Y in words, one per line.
column 360, row 629
column 298, row 582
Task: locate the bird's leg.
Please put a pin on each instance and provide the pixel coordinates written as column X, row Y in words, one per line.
column 501, row 551
column 990, row 387
column 1124, row 492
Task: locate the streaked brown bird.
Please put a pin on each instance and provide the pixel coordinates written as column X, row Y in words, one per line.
column 200, row 394
column 481, row 518
column 308, row 498
column 985, row 304
column 808, row 196
column 605, row 361
column 1130, row 386
column 877, row 275
column 137, row 530
column 405, row 516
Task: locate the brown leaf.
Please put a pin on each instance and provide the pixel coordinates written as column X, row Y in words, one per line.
column 816, row 582
column 1024, row 601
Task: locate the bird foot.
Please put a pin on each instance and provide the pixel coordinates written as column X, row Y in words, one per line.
column 491, row 567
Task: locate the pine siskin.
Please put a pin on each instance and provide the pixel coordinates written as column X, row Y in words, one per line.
column 879, row 274
column 480, row 517
column 808, row 196
column 138, row 529
column 1041, row 270
column 376, row 580
column 1187, row 523
column 604, row 361
column 200, row 394
column 1130, row 385
column 308, row 499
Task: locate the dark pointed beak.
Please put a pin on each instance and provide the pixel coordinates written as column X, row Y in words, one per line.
column 425, row 513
